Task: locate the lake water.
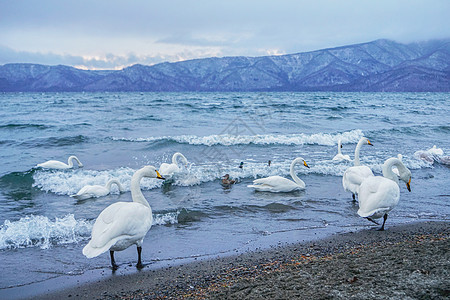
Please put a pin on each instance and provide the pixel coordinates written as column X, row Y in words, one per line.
column 43, row 229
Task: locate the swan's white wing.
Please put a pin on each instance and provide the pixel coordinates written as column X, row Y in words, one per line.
column 341, row 157
column 91, row 191
column 168, row 169
column 53, row 164
column 120, row 221
column 354, row 176
column 377, row 196
column 274, row 184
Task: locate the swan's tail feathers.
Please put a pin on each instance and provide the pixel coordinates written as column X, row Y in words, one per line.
column 91, row 252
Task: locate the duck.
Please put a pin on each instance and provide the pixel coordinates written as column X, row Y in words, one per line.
column 227, row 181
column 168, row 170
column 339, row 156
column 123, row 224
column 277, row 184
column 241, row 165
column 55, row 164
column 353, row 176
column 95, row 191
column 378, row 195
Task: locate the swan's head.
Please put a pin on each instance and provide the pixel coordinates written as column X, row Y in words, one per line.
column 151, row 172
column 405, row 175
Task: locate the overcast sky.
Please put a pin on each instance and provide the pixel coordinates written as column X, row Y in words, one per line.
column 112, row 34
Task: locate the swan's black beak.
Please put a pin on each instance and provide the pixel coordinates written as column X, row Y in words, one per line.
column 159, row 175
column 305, row 164
column 408, row 185
column 369, row 143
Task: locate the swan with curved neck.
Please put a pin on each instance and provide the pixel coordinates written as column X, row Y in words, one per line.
column 378, row 195
column 353, row 176
column 278, row 184
column 170, row 169
column 339, row 156
column 55, row 164
column 123, row 224
column 95, row 191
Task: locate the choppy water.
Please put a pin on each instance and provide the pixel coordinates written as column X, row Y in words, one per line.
column 43, row 230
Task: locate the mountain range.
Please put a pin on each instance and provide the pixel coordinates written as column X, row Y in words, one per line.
column 377, row 66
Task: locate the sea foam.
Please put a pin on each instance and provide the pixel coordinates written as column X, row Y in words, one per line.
column 260, row 139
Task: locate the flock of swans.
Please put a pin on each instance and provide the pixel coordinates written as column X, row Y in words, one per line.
column 123, row 224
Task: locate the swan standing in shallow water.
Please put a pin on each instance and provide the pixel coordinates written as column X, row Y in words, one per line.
column 353, row 176
column 378, row 195
column 278, row 184
column 55, row 164
column 170, row 169
column 95, row 191
column 339, row 156
column 123, row 224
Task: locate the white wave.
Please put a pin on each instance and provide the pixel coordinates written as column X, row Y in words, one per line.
column 70, row 182
column 40, row 231
column 262, row 139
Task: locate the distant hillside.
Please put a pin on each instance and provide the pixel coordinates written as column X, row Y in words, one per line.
column 380, row 65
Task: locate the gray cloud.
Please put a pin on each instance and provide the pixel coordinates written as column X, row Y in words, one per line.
column 116, row 33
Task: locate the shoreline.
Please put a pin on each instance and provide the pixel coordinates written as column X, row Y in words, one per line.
column 402, row 261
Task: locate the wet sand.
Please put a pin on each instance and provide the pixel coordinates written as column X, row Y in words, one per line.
column 410, row 261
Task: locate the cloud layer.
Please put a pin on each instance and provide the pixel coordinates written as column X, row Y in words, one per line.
column 112, row 34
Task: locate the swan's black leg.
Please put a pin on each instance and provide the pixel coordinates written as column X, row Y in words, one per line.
column 113, row 261
column 353, row 196
column 384, row 221
column 372, row 220
column 139, row 264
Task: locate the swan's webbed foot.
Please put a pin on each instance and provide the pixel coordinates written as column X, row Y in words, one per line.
column 384, row 221
column 372, row 220
column 113, row 261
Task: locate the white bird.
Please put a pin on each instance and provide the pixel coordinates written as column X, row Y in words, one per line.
column 339, row 156
column 123, row 224
column 278, row 184
column 435, row 151
column 378, row 195
column 170, row 169
column 95, row 191
column 55, row 164
column 353, row 176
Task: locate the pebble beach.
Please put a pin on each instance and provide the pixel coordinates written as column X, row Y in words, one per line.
column 409, row 261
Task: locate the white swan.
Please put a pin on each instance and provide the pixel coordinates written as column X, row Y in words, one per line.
column 95, row 191
column 170, row 169
column 123, row 224
column 55, row 164
column 278, row 184
column 339, row 156
column 435, row 151
column 378, row 195
column 353, row 176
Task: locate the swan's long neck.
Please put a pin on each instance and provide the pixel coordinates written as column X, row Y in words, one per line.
column 111, row 182
column 339, row 147
column 357, row 149
column 175, row 158
column 136, row 193
column 294, row 176
column 387, row 168
column 70, row 161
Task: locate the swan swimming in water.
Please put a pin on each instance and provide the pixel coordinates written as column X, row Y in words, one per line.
column 278, row 184
column 123, row 224
column 169, row 170
column 378, row 195
column 339, row 156
column 55, row 164
column 95, row 191
column 353, row 176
